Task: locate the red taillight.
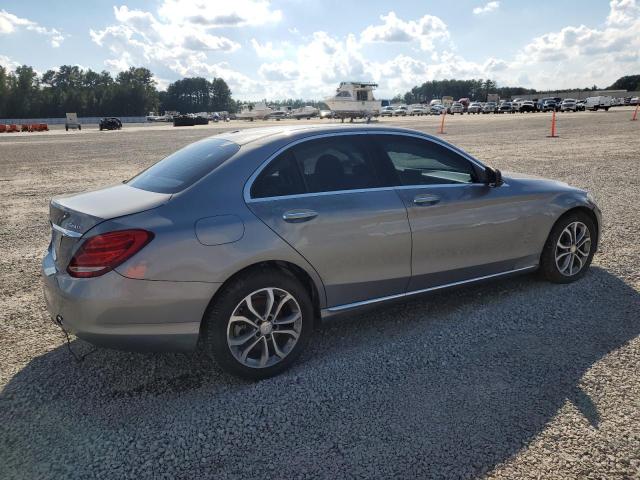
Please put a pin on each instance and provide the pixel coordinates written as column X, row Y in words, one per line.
column 99, row 254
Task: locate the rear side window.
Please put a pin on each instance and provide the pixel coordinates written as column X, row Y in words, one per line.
column 422, row 162
column 335, row 163
column 186, row 166
column 280, row 177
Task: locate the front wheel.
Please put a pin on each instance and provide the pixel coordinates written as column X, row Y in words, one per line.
column 569, row 249
column 259, row 324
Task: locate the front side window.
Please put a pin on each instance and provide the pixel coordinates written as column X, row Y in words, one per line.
column 335, row 163
column 422, row 162
column 185, row 167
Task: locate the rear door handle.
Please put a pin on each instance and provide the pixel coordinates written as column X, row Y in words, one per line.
column 299, row 215
column 426, row 199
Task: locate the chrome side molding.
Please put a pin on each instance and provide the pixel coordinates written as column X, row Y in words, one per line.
column 348, row 306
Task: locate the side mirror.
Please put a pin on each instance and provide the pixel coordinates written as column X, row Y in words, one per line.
column 494, row 177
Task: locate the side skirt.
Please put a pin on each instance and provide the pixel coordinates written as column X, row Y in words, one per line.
column 328, row 312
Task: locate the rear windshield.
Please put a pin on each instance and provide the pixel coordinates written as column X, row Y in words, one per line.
column 184, row 167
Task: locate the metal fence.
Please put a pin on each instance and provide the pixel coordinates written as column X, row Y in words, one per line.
column 61, row 120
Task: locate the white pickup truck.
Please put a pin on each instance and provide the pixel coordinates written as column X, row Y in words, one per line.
column 596, row 103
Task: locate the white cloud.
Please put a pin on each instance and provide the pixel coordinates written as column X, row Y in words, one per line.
column 10, row 23
column 426, row 30
column 266, row 50
column 8, row 63
column 488, row 8
column 207, row 13
column 175, row 44
column 141, row 38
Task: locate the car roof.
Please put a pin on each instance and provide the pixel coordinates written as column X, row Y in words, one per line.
column 262, row 135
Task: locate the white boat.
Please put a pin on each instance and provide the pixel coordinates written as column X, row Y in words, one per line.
column 354, row 100
column 304, row 112
column 257, row 111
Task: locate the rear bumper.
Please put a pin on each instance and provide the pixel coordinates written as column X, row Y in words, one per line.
column 117, row 312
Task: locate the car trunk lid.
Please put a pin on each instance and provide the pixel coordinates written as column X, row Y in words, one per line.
column 72, row 216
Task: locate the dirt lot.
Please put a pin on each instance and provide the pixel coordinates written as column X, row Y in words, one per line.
column 513, row 379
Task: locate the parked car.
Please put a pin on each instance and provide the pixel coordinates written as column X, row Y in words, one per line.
column 437, row 109
column 474, row 107
column 400, row 111
column 527, row 106
column 329, row 220
column 634, row 101
column 548, row 106
column 417, row 109
column 110, row 123
column 490, row 107
column 580, row 106
column 505, row 107
column 456, row 107
column 515, row 104
column 569, row 105
column 387, row 111
column 541, row 102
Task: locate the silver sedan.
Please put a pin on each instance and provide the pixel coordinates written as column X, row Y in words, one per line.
column 243, row 241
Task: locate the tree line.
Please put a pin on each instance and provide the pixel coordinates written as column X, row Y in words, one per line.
column 26, row 94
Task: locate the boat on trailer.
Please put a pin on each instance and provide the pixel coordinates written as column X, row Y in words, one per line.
column 258, row 111
column 354, row 100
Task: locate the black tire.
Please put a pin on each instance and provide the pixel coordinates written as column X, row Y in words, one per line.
column 548, row 268
column 218, row 316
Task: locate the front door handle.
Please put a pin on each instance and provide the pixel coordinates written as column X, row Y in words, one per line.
column 426, row 199
column 299, row 215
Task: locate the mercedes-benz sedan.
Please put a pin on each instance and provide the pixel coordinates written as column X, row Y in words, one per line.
column 243, row 241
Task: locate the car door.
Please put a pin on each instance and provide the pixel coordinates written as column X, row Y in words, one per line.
column 327, row 198
column 462, row 228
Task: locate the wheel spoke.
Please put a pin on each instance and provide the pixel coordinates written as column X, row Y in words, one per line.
column 577, row 257
column 276, row 349
column 292, row 333
column 270, row 302
column 281, row 304
column 264, row 357
column 241, row 318
column 241, row 340
column 287, row 320
column 251, row 308
column 584, row 240
column 247, row 350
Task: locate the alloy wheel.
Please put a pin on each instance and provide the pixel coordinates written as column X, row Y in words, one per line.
column 264, row 327
column 573, row 248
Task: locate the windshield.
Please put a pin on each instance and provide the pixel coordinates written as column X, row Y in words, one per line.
column 184, row 167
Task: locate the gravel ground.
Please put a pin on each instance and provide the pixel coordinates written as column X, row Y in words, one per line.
column 511, row 379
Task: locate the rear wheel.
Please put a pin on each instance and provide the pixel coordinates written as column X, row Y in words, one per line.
column 259, row 324
column 569, row 249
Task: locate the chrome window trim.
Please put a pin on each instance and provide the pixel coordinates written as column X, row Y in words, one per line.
column 249, row 183
column 65, row 232
column 362, row 303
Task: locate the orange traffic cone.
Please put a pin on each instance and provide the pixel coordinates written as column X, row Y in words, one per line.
column 444, row 114
column 553, row 126
column 635, row 112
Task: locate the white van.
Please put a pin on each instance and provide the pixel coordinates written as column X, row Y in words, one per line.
column 595, row 103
